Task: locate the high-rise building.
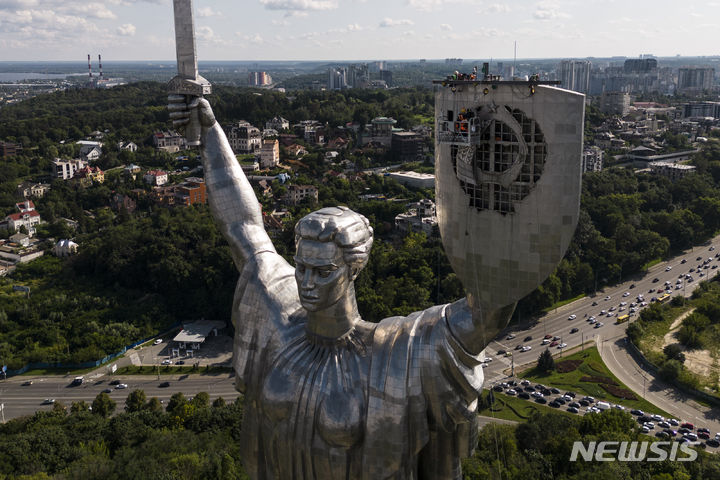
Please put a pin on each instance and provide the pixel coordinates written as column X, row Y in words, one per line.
column 337, row 78
column 695, row 79
column 615, row 103
column 358, row 76
column 259, row 79
column 575, row 75
column 387, row 77
column 640, row 65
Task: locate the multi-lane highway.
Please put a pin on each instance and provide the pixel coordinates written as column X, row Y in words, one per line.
column 610, row 338
column 19, row 399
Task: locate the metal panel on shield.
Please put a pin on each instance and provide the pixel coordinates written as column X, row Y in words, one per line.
column 508, row 167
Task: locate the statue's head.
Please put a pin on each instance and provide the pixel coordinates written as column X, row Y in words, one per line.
column 333, row 246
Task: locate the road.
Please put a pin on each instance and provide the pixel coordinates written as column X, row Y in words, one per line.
column 22, row 400
column 610, row 337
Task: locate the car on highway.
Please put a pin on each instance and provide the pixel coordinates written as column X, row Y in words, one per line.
column 599, row 324
column 554, row 342
column 668, row 268
column 508, row 354
column 164, row 385
column 574, row 330
column 594, row 304
column 592, row 320
column 527, row 339
column 545, row 341
column 655, row 280
column 683, row 261
column 572, row 317
column 519, row 346
column 167, row 362
column 626, row 294
column 121, row 386
column 510, row 336
column 562, row 345
column 607, row 297
column 526, row 348
column 698, row 259
column 115, row 382
column 157, row 341
column 27, row 383
column 48, row 401
column 107, row 390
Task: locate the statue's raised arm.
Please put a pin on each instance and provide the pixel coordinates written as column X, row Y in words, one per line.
column 232, row 200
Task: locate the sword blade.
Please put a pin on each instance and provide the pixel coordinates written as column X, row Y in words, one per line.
column 185, row 39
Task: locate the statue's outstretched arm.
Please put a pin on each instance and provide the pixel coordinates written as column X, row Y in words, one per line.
column 232, row 199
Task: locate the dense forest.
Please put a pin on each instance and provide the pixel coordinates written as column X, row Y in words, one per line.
column 137, row 274
column 192, row 439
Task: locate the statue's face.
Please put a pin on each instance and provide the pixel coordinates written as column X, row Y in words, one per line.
column 322, row 275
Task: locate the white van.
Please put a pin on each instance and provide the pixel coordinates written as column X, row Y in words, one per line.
column 602, row 405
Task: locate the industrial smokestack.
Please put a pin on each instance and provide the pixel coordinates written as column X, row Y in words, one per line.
column 100, row 64
column 89, row 67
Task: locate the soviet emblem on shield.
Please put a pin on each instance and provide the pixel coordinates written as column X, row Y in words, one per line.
column 504, row 159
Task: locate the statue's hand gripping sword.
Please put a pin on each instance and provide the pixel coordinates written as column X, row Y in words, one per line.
column 187, row 82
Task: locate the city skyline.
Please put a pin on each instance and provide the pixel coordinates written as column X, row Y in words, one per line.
column 142, row 30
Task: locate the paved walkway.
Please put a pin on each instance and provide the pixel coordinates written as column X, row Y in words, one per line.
column 616, row 355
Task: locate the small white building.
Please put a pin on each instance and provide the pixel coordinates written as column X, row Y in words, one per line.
column 65, row 169
column 193, row 335
column 414, row 179
column 156, row 177
column 65, row 248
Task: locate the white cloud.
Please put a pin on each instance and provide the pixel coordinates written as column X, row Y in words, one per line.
column 126, row 30
column 496, row 8
column 445, row 27
column 208, row 12
column 354, row 27
column 92, row 10
column 300, row 5
column 281, row 23
column 549, row 11
column 425, row 5
column 207, row 35
column 253, row 39
column 389, row 22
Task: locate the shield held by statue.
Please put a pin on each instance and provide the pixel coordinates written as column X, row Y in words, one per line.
column 508, row 177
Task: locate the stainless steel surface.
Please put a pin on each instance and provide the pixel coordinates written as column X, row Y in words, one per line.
column 188, row 81
column 327, row 394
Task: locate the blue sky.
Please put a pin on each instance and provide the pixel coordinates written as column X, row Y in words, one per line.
column 359, row 29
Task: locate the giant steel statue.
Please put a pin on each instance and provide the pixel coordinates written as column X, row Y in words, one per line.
column 327, row 394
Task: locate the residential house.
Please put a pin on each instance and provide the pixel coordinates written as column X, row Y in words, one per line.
column 119, row 202
column 169, row 141
column 65, row 248
column 156, row 177
column 129, row 146
column 265, row 188
column 277, row 123
column 296, row 150
column 270, row 154
column 89, row 175
column 421, row 217
column 191, row 192
column 298, row 193
column 337, row 143
column 65, row 169
column 132, row 170
column 28, row 219
column 29, row 189
column 9, row 149
column 243, row 137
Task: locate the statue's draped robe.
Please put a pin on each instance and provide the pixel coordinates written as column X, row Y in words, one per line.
column 391, row 400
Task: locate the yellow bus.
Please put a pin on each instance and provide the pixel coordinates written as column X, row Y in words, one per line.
column 623, row 318
column 663, row 298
